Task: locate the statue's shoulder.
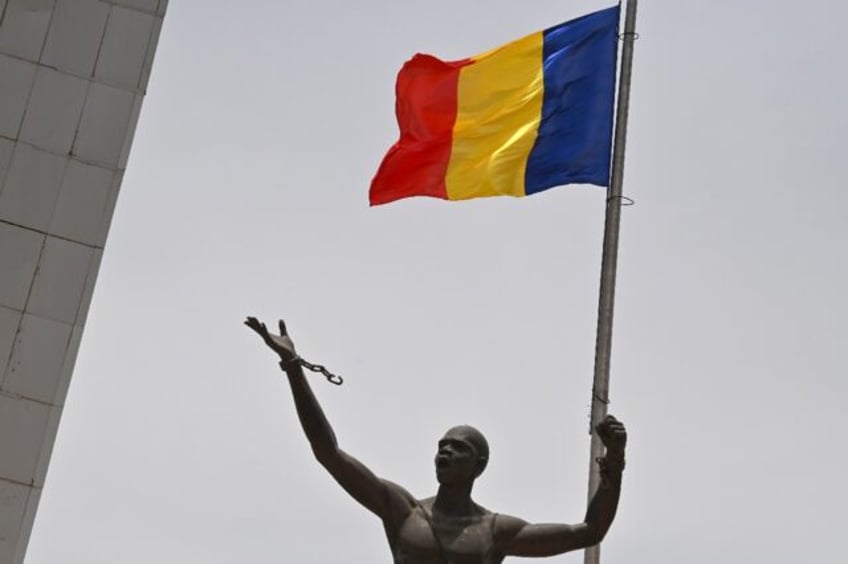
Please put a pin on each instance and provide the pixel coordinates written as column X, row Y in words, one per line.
column 399, row 496
column 507, row 526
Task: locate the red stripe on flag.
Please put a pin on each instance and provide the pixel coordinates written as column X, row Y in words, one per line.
column 426, row 109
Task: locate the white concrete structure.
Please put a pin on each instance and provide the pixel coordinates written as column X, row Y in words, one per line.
column 73, row 74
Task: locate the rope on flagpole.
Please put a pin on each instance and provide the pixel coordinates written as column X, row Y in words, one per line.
column 625, row 201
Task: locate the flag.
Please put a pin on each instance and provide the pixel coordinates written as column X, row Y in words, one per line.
column 519, row 119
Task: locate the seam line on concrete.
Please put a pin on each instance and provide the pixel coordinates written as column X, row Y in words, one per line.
column 88, row 77
column 71, row 155
column 15, row 396
column 17, row 483
column 47, row 233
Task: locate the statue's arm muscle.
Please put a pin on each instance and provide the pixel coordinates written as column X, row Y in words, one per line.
column 383, row 498
column 519, row 538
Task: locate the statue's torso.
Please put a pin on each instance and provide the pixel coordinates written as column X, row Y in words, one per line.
column 468, row 540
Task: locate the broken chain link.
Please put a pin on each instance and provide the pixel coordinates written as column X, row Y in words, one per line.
column 332, row 378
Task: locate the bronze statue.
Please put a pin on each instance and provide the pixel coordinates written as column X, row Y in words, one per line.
column 448, row 528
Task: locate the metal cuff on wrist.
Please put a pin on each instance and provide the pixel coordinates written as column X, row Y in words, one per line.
column 291, row 363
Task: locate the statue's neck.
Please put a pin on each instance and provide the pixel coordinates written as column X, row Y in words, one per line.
column 454, row 500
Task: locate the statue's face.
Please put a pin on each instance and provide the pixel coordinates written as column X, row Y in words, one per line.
column 457, row 460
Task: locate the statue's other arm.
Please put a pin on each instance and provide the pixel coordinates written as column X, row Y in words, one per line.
column 519, row 538
column 385, row 499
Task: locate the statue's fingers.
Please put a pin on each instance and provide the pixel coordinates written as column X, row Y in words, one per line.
column 283, row 332
column 253, row 323
column 609, row 431
column 616, row 428
column 612, row 423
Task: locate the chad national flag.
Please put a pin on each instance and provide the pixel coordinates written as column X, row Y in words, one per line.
column 524, row 117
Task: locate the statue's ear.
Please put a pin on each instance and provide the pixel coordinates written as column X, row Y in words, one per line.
column 481, row 465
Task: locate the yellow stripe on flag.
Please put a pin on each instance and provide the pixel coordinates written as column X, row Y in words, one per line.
column 498, row 112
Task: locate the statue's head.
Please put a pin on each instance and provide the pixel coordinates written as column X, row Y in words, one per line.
column 462, row 456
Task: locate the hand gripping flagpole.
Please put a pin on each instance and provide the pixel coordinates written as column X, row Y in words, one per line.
column 603, row 342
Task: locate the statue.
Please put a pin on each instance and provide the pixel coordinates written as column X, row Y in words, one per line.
column 449, row 528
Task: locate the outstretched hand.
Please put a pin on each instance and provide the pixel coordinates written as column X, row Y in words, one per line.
column 613, row 435
column 280, row 344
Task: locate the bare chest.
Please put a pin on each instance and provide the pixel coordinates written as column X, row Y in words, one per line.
column 460, row 541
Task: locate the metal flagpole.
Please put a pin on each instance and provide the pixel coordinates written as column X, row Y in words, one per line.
column 603, row 342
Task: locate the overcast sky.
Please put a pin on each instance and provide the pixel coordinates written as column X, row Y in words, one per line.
column 246, row 193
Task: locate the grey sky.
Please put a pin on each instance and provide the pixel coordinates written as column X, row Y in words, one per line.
column 246, row 193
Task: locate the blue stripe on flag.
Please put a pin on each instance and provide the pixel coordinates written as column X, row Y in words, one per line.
column 575, row 134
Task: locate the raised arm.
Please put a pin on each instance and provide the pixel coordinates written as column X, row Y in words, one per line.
column 519, row 538
column 385, row 499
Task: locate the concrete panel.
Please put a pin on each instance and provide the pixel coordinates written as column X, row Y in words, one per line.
column 88, row 289
column 20, row 250
column 38, row 355
column 23, row 424
column 26, row 525
column 50, row 433
column 110, row 209
column 104, row 124
column 13, row 504
column 60, row 280
column 24, row 26
column 15, row 87
column 6, row 149
column 32, row 187
column 151, row 53
column 124, row 47
column 133, row 122
column 82, row 200
column 54, row 110
column 10, row 319
column 68, row 367
column 76, row 31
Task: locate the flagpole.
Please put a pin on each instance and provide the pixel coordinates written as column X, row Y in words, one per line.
column 603, row 342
